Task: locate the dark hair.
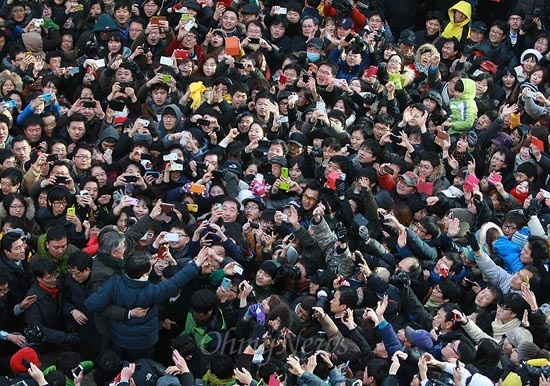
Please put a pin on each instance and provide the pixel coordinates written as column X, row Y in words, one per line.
column 8, row 239
column 80, row 260
column 449, row 291
column 56, row 233
column 378, row 369
column 515, row 303
column 4, row 278
column 204, row 301
column 429, row 223
column 457, row 264
column 466, row 351
column 185, row 344
column 67, row 361
column 41, row 266
column 138, row 265
column 221, row 365
column 15, row 175
column 348, row 296
column 106, row 368
column 539, row 249
column 10, row 198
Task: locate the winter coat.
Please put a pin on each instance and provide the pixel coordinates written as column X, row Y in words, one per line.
column 461, row 30
column 464, row 110
column 123, row 291
column 47, row 312
column 340, row 263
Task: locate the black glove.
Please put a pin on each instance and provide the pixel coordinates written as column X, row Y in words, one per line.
column 71, row 339
column 472, row 139
column 341, row 233
column 472, row 240
column 340, row 187
column 533, row 209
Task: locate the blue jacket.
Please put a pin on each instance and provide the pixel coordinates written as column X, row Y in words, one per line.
column 120, row 290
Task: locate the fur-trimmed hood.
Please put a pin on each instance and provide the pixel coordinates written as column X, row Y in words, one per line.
column 29, row 213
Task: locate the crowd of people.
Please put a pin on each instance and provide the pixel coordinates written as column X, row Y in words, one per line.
column 316, row 192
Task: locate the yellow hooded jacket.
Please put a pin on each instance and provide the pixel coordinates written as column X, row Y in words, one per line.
column 456, row 29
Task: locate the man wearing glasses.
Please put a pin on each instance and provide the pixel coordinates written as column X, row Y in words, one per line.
column 47, row 310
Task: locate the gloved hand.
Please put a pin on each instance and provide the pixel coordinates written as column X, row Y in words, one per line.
column 255, row 311
column 340, row 187
column 533, row 209
column 341, row 233
column 472, row 139
column 364, row 232
column 71, row 339
column 472, row 240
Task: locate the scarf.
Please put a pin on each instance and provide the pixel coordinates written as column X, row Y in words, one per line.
column 211, row 380
column 110, row 261
column 500, row 329
column 53, row 292
column 460, row 157
column 157, row 110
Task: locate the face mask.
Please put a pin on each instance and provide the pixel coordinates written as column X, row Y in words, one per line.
column 313, row 57
column 143, row 137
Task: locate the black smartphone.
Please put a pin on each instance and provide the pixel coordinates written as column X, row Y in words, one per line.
column 148, row 157
column 264, row 143
column 26, row 364
column 254, row 40
column 348, row 38
column 130, row 178
column 204, row 122
column 61, row 179
column 123, row 85
column 305, row 78
column 217, row 174
column 88, row 103
column 52, row 157
column 201, row 165
column 239, row 65
column 116, row 105
column 254, row 225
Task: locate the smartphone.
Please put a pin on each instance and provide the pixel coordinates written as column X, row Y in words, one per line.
column 305, row 78
column 170, row 157
column 100, row 63
column 155, row 20
column 264, row 143
column 51, row 157
column 226, row 283
column 130, row 178
column 132, row 201
column 166, row 208
column 71, row 211
column 239, row 65
column 238, row 269
column 281, row 11
column 166, row 78
column 182, row 54
column 176, row 166
column 349, row 37
column 161, row 251
column 254, row 40
column 77, row 371
column 201, row 165
column 282, row 79
column 284, row 172
column 116, row 105
column 218, row 206
column 61, row 179
column 146, row 156
column 172, row 237
column 291, row 237
column 152, row 173
column 48, row 97
column 84, row 192
column 203, row 122
column 321, row 107
column 254, row 225
column 166, row 61
column 26, row 364
column 88, row 103
column 389, row 169
column 192, row 208
column 217, row 174
column 284, row 217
